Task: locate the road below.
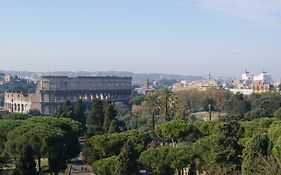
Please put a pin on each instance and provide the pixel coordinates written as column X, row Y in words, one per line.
column 80, row 167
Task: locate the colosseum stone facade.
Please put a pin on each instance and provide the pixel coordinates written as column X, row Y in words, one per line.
column 52, row 91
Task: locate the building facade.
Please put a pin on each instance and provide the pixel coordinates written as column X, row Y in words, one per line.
column 249, row 84
column 261, row 87
column 17, row 102
column 264, row 77
column 52, row 91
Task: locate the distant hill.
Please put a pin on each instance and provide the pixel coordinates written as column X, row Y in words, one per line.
column 138, row 78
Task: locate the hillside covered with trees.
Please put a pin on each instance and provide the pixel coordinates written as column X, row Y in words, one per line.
column 160, row 133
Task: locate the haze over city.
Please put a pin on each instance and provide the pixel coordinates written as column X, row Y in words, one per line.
column 167, row 36
column 140, row 87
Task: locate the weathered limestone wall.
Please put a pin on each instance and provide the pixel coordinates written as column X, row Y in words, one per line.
column 56, row 83
column 53, row 90
column 17, row 102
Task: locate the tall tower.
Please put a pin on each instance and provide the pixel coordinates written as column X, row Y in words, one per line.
column 209, row 76
column 146, row 84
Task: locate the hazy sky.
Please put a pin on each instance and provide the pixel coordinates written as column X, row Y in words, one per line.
column 224, row 37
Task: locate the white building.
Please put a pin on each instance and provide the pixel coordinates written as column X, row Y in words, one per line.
column 247, row 76
column 242, row 91
column 264, row 77
column 253, row 84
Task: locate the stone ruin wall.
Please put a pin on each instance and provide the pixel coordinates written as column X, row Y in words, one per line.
column 52, row 91
column 17, row 102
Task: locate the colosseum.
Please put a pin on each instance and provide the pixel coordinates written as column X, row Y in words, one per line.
column 17, row 102
column 53, row 91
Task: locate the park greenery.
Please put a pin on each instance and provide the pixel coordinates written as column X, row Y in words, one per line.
column 162, row 134
column 25, row 142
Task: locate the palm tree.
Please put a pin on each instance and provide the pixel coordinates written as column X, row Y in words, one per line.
column 169, row 102
column 152, row 104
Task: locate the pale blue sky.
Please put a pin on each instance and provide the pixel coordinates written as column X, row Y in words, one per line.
column 224, row 37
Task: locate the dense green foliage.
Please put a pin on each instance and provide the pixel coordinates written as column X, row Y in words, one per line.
column 208, row 103
column 65, row 110
column 105, row 166
column 23, row 141
column 127, row 160
column 227, row 150
column 177, row 129
column 15, row 116
column 73, row 111
column 236, row 106
column 137, row 100
column 110, row 144
column 109, row 116
column 258, row 147
column 212, row 147
column 96, row 119
column 79, row 112
column 166, row 160
column 161, row 136
column 113, row 127
column 25, row 163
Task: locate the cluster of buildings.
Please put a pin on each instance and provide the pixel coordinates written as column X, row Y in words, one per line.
column 246, row 84
column 4, row 79
column 249, row 84
column 203, row 84
column 53, row 91
column 146, row 87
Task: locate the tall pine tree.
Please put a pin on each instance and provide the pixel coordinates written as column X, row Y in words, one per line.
column 79, row 112
column 228, row 151
column 113, row 128
column 127, row 160
column 66, row 110
column 95, row 117
column 109, row 115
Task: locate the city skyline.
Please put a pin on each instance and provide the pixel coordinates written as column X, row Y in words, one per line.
column 187, row 37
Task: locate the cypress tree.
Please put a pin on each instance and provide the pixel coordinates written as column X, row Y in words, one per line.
column 258, row 147
column 113, row 127
column 228, row 151
column 66, row 110
column 106, row 123
column 79, row 112
column 127, row 160
column 109, row 115
column 95, row 117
